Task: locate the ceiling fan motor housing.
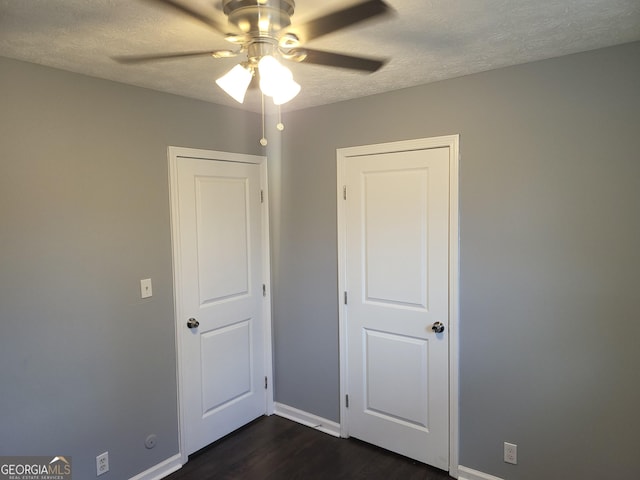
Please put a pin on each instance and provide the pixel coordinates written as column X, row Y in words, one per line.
column 260, row 17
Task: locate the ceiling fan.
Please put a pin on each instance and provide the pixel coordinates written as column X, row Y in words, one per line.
column 261, row 31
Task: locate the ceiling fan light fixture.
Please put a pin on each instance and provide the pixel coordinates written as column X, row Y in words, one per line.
column 235, row 82
column 271, row 73
column 276, row 80
column 286, row 92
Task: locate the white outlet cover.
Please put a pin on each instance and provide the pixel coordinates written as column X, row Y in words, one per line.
column 511, row 453
column 102, row 463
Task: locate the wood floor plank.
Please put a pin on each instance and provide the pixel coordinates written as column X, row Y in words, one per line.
column 274, row 448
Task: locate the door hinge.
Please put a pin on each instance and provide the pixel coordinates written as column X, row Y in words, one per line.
column 344, row 192
column 261, row 196
column 345, row 298
column 346, row 400
column 266, row 383
column 264, row 290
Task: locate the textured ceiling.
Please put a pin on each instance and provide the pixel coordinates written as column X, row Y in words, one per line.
column 426, row 41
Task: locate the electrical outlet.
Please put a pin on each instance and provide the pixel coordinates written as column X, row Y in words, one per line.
column 510, row 453
column 102, row 463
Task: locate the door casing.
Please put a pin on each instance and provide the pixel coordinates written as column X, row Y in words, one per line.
column 174, row 154
column 342, row 157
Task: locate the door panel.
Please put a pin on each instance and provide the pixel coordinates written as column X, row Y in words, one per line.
column 223, row 255
column 221, row 277
column 396, row 398
column 229, row 345
column 397, row 278
column 400, row 281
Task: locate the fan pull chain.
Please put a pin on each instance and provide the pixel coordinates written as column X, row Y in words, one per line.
column 280, row 125
column 263, row 140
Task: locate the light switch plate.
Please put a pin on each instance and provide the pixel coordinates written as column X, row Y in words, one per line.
column 145, row 288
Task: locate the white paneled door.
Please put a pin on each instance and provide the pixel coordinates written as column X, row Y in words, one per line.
column 395, row 227
column 220, row 313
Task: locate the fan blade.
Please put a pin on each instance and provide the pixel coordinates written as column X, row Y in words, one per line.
column 341, row 19
column 330, row 59
column 133, row 59
column 210, row 22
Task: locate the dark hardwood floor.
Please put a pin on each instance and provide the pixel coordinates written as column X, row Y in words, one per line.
column 273, row 448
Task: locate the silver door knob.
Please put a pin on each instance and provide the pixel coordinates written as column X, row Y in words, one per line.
column 438, row 327
column 193, row 323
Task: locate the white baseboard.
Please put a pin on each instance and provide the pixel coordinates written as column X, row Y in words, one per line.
column 308, row 419
column 465, row 473
column 161, row 470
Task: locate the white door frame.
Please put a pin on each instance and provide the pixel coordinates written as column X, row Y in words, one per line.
column 343, row 155
column 174, row 154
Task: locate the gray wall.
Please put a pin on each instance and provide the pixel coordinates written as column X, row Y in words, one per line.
column 550, row 235
column 550, row 184
column 85, row 364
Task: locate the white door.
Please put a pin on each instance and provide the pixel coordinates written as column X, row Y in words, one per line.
column 396, row 258
column 220, row 273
